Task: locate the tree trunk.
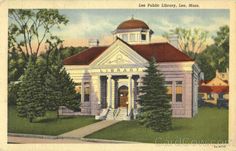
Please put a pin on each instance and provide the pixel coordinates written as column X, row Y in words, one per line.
column 30, row 119
column 58, row 113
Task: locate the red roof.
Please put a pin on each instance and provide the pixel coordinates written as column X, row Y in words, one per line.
column 84, row 57
column 163, row 52
column 133, row 24
column 214, row 89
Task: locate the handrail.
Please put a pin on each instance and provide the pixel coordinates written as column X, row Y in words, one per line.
column 130, row 113
column 117, row 112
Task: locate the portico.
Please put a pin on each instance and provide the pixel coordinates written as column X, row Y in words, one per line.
column 120, row 92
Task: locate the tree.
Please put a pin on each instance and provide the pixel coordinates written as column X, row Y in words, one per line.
column 16, row 65
column 69, row 51
column 70, row 98
column 190, row 41
column 29, row 29
column 53, row 89
column 13, row 88
column 206, row 66
column 60, row 89
column 216, row 56
column 155, row 111
column 28, row 32
column 31, row 95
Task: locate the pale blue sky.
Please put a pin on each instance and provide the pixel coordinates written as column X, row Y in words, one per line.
column 85, row 24
column 101, row 22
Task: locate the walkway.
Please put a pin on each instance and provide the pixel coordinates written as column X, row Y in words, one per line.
column 84, row 131
column 32, row 140
column 18, row 139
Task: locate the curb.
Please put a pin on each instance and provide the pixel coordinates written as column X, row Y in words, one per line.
column 74, row 138
column 34, row 136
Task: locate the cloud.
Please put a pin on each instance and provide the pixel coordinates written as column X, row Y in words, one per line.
column 187, row 20
column 100, row 23
column 87, row 27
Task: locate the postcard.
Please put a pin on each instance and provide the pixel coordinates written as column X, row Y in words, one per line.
column 117, row 75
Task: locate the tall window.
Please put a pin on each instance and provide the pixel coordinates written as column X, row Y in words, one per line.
column 143, row 36
column 132, row 37
column 125, row 37
column 78, row 88
column 179, row 91
column 169, row 89
column 86, row 91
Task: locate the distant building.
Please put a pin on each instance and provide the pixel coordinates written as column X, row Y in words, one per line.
column 216, row 88
column 108, row 77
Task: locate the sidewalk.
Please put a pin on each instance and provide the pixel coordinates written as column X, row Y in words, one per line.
column 32, row 140
column 84, row 131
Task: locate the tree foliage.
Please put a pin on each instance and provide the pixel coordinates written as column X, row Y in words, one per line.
column 13, row 88
column 32, row 27
column 16, row 65
column 29, row 31
column 209, row 57
column 31, row 95
column 155, row 111
column 70, row 99
column 190, row 41
column 60, row 89
column 46, row 88
column 216, row 56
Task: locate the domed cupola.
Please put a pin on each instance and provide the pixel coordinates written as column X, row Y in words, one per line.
column 133, row 31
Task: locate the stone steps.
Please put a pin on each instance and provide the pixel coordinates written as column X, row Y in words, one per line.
column 117, row 114
column 122, row 114
column 110, row 115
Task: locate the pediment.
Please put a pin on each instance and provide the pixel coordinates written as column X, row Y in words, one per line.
column 119, row 58
column 119, row 54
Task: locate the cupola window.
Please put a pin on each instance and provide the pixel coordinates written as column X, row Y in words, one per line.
column 133, row 31
column 132, row 37
column 143, row 36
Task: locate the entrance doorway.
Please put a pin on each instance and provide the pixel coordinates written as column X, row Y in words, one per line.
column 123, row 96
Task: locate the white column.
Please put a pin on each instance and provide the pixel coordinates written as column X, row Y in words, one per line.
column 130, row 93
column 108, row 90
column 82, row 92
column 112, row 93
column 98, row 89
column 173, row 91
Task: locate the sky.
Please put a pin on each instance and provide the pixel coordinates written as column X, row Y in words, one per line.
column 85, row 24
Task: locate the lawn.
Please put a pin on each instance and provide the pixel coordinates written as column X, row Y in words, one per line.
column 48, row 125
column 209, row 126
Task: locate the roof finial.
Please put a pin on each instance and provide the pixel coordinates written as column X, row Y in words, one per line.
column 132, row 16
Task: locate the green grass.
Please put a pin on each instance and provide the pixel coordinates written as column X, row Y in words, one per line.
column 48, row 125
column 209, row 126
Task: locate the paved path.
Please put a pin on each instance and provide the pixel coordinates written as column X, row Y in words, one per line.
column 31, row 140
column 18, row 139
column 84, row 131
